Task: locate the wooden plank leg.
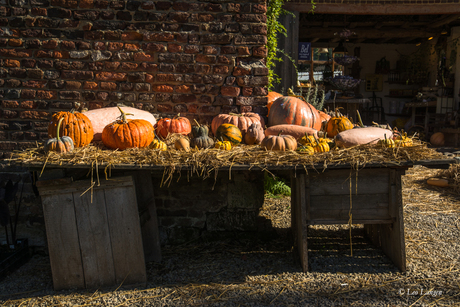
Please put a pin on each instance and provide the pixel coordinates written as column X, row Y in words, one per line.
column 301, row 221
column 148, row 215
column 94, row 236
column 62, row 236
column 390, row 237
column 125, row 234
column 293, row 207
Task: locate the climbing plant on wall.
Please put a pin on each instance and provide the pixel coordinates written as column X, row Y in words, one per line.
column 274, row 29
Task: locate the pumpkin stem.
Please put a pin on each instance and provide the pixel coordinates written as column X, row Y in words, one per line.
column 234, row 114
column 123, row 115
column 58, row 128
column 316, row 139
column 197, row 123
column 359, row 119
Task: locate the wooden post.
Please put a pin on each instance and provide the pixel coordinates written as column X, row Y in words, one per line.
column 94, row 236
column 390, row 237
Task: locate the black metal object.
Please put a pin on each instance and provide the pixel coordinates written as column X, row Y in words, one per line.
column 13, row 256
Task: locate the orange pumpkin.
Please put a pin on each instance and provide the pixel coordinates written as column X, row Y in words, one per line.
column 272, row 96
column 294, row 111
column 324, row 116
column 279, row 143
column 437, row 139
column 74, row 125
column 242, row 121
column 126, row 133
column 176, row 124
column 337, row 124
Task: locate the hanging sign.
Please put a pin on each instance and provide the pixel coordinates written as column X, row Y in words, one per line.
column 305, row 51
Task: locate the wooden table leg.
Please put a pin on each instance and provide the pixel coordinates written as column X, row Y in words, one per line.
column 299, row 218
column 390, row 237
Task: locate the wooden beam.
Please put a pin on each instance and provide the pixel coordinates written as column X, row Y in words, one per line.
column 369, row 33
column 313, row 40
column 444, row 21
column 405, row 40
column 376, row 9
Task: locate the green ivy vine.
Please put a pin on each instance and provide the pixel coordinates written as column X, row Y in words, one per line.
column 274, row 28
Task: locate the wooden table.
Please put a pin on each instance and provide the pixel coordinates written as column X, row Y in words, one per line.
column 373, row 196
column 349, row 106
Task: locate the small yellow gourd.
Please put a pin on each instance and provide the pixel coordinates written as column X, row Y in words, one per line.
column 307, row 149
column 223, row 145
column 157, row 144
column 386, row 142
column 321, row 146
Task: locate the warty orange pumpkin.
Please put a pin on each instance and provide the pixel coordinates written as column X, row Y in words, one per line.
column 74, row 125
column 177, row 124
column 242, row 121
column 127, row 133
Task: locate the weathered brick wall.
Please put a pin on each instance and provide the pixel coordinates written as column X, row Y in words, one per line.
column 197, row 58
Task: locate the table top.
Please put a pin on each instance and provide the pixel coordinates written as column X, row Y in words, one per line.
column 439, row 163
column 348, row 100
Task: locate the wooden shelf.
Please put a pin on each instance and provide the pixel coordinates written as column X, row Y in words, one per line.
column 397, row 96
column 398, row 114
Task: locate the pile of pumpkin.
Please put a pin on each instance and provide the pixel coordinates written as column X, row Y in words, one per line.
column 293, row 124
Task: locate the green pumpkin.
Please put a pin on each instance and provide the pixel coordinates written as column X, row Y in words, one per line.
column 229, row 132
column 58, row 144
column 201, row 137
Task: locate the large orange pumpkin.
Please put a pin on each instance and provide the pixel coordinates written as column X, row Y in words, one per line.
column 74, row 125
column 272, row 96
column 242, row 121
column 324, row 116
column 294, row 111
column 126, row 133
column 176, row 124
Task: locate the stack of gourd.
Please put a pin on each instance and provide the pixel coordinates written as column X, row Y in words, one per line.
column 293, row 124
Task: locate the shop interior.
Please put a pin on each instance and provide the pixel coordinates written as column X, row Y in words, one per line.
column 400, row 70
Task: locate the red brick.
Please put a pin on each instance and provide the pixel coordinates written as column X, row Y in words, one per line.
column 173, row 48
column 109, row 86
column 99, row 46
column 193, row 108
column 112, row 65
column 210, row 50
column 183, row 88
column 201, row 58
column 68, row 45
column 163, row 88
column 132, row 36
column 86, row 4
column 12, row 63
column 39, row 11
column 221, row 69
column 61, row 55
column 241, row 71
column 142, row 56
column 231, row 91
column 28, row 104
column 109, row 76
column 10, row 104
column 28, row 94
column 114, row 46
column 243, row 51
column 50, row 44
column 164, row 108
column 72, row 85
column 34, row 84
column 159, row 37
column 149, row 78
column 192, row 49
column 88, row 85
column 34, row 115
column 129, row 66
column 104, row 96
column 15, row 42
column 247, row 91
column 46, row 95
column 259, row 51
column 132, row 47
column 245, row 109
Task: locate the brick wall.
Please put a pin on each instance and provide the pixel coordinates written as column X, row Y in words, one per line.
column 197, row 58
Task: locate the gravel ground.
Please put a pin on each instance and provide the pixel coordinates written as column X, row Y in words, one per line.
column 263, row 270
